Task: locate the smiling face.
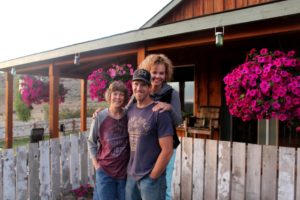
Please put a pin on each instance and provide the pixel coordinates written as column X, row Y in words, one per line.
column 158, row 75
column 141, row 90
column 117, row 99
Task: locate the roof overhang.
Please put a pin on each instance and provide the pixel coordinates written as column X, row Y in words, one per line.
column 252, row 14
column 161, row 13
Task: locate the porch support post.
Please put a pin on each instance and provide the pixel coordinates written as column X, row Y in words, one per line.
column 53, row 101
column 141, row 54
column 9, row 110
column 83, row 113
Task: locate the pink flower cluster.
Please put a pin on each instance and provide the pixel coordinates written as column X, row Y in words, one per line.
column 36, row 91
column 266, row 86
column 83, row 191
column 102, row 77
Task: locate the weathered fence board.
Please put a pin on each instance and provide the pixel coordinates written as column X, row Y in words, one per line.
column 253, row 176
column 33, row 165
column 177, row 174
column 55, row 168
column 224, row 171
column 83, row 158
column 198, row 169
column 44, row 175
column 269, row 168
column 65, row 163
column 9, row 175
column 210, row 182
column 286, row 176
column 1, row 173
column 238, row 171
column 21, row 173
column 298, row 175
column 187, row 168
column 74, row 168
column 91, row 171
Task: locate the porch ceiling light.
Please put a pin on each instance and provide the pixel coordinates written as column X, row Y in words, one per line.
column 219, row 37
column 13, row 71
column 77, row 59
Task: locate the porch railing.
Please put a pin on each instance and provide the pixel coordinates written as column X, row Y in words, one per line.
column 204, row 169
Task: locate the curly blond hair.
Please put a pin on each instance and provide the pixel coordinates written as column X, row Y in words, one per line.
column 156, row 59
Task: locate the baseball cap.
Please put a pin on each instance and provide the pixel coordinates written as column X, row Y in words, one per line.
column 142, row 75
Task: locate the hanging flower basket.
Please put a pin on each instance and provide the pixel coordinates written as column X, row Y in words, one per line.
column 36, row 91
column 266, row 86
column 102, row 77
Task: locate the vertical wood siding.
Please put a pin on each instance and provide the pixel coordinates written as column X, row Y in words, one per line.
column 196, row 8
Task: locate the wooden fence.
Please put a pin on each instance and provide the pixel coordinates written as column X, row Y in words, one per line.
column 204, row 169
column 46, row 170
column 210, row 169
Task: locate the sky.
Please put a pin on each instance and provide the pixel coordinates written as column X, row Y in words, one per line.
column 33, row 26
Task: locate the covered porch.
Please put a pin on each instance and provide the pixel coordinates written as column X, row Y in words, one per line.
column 190, row 47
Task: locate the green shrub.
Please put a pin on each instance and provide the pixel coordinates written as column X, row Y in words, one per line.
column 22, row 110
column 46, row 112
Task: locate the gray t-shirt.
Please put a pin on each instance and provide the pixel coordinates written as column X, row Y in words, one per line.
column 145, row 128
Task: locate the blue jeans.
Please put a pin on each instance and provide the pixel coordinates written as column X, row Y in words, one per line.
column 169, row 175
column 108, row 188
column 146, row 188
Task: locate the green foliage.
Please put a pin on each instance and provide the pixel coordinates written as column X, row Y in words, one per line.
column 67, row 113
column 22, row 111
column 46, row 112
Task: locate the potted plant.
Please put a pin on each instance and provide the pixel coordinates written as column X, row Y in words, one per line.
column 102, row 77
column 36, row 91
column 266, row 85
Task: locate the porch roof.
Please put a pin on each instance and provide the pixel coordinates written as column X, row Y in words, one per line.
column 134, row 39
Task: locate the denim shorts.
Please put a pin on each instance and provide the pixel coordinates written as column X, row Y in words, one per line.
column 146, row 188
column 108, row 188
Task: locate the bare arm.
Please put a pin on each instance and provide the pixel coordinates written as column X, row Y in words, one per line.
column 166, row 144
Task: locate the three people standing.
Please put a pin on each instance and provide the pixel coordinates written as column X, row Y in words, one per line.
column 151, row 131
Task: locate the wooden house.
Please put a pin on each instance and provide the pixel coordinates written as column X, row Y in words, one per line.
column 184, row 30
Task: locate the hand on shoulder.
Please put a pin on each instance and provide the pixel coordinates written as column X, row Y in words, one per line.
column 161, row 107
column 97, row 111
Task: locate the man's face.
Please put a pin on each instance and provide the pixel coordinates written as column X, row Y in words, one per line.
column 141, row 90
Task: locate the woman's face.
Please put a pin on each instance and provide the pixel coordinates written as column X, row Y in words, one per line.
column 117, row 99
column 158, row 75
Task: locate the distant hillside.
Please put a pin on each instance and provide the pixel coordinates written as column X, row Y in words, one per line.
column 72, row 101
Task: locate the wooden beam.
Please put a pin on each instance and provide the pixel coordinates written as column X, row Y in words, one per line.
column 70, row 75
column 203, row 81
column 141, row 54
column 179, row 44
column 83, row 111
column 197, row 79
column 53, row 100
column 99, row 57
column 214, row 85
column 235, row 35
column 9, row 110
column 84, row 67
column 24, row 70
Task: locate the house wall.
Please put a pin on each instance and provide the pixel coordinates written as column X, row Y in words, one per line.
column 196, row 8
